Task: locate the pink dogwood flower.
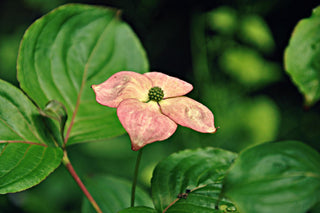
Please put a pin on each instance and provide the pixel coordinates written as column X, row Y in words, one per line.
column 150, row 106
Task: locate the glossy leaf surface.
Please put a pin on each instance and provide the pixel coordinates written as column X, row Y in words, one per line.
column 113, row 194
column 27, row 152
column 66, row 51
column 275, row 177
column 191, row 181
column 302, row 57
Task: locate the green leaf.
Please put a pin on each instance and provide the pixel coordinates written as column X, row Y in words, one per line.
column 248, row 67
column 113, row 194
column 56, row 111
column 201, row 171
column 302, row 57
column 275, row 177
column 138, row 209
column 223, row 19
column 27, row 152
column 66, row 51
column 58, row 117
column 255, row 31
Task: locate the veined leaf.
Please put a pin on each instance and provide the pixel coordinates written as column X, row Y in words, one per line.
column 66, row 51
column 27, row 152
column 191, row 181
column 279, row 177
column 302, row 57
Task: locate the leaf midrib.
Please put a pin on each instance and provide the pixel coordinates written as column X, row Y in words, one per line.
column 83, row 81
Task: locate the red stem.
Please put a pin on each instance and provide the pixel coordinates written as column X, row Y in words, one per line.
column 73, row 173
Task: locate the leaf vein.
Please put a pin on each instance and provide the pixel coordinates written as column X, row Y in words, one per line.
column 82, row 87
column 34, row 168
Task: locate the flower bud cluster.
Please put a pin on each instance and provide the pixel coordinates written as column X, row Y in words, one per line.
column 155, row 94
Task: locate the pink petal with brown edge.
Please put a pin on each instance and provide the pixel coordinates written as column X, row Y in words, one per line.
column 171, row 86
column 189, row 113
column 120, row 86
column 144, row 122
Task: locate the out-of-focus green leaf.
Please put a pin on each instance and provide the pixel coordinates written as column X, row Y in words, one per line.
column 138, row 209
column 223, row 20
column 249, row 67
column 113, row 194
column 27, row 152
column 200, row 171
column 244, row 121
column 255, row 31
column 260, row 123
column 279, row 177
column 302, row 57
column 63, row 53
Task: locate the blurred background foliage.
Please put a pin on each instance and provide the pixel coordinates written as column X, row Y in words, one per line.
column 231, row 51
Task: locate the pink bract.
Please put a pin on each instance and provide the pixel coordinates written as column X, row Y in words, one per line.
column 148, row 121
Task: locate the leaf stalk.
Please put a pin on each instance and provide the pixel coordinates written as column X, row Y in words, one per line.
column 75, row 176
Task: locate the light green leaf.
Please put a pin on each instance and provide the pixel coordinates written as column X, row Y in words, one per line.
column 248, row 67
column 201, row 171
column 302, row 57
column 223, row 19
column 138, row 209
column 66, row 51
column 279, row 177
column 113, row 194
column 27, row 152
column 255, row 31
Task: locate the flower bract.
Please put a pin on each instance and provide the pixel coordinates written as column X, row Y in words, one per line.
column 151, row 105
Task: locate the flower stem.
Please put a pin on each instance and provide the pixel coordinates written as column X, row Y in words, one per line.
column 135, row 178
column 73, row 173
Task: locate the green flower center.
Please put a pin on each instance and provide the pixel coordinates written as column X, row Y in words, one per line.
column 155, row 94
